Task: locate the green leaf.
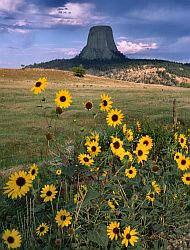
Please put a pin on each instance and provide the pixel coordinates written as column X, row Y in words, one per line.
column 99, row 235
column 92, row 194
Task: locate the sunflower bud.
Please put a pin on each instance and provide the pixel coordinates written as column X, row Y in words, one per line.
column 48, row 136
column 58, row 110
column 58, row 242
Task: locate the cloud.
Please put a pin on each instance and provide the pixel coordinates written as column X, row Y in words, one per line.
column 127, row 47
column 10, row 5
column 66, row 52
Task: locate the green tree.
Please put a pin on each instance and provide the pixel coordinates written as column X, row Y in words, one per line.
column 79, row 71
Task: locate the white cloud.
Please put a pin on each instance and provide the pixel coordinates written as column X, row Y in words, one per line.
column 127, row 47
column 66, row 52
column 10, row 5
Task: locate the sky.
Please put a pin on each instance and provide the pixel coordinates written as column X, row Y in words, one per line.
column 33, row 31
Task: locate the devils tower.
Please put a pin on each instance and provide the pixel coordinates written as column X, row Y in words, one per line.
column 100, row 45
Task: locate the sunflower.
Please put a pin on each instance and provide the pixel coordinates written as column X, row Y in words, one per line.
column 63, row 99
column 92, row 138
column 116, row 146
column 129, row 134
column 12, row 238
column 130, row 172
column 106, row 103
column 113, row 204
column 186, row 149
column 42, row 229
column 39, row 85
column 150, row 196
column 146, row 141
column 113, row 230
column 186, row 178
column 78, row 197
column 93, row 148
column 48, row 192
column 63, row 218
column 156, row 187
column 183, row 163
column 89, row 105
column 33, row 171
column 124, row 128
column 138, row 126
column 58, row 172
column 129, row 236
column 126, row 154
column 182, row 140
column 18, row 185
column 177, row 156
column 114, row 117
column 85, row 159
column 141, row 153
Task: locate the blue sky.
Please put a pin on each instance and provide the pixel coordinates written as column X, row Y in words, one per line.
column 41, row 30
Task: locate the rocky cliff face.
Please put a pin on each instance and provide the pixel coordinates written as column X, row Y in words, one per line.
column 100, row 45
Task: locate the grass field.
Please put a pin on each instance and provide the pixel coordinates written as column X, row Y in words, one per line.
column 23, row 127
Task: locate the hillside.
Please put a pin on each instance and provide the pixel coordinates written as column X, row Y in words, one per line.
column 134, row 70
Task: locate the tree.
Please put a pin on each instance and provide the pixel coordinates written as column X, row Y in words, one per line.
column 79, row 71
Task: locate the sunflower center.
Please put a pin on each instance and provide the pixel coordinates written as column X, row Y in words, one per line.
column 63, row 98
column 38, row 84
column 42, row 229
column 89, row 105
column 130, row 171
column 63, row 217
column 177, row 157
column 33, row 171
column 93, row 148
column 20, row 181
column 128, row 236
column 116, row 230
column 10, row 239
column 183, row 162
column 151, row 196
column 146, row 143
column 187, row 178
column 114, row 118
column 182, row 140
column 49, row 193
column 140, row 152
column 86, row 159
column 116, row 145
column 105, row 103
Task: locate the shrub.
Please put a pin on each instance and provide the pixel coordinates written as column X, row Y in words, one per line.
column 79, row 71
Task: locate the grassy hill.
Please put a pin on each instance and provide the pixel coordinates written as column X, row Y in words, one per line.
column 23, row 127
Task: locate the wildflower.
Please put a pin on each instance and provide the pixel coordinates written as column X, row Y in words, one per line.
column 12, row 238
column 93, row 148
column 129, row 134
column 106, row 103
column 42, row 229
column 150, row 196
column 39, row 85
column 186, row 178
column 58, row 172
column 146, row 141
column 141, row 153
column 89, row 105
column 131, row 172
column 48, row 192
column 18, row 185
column 128, row 154
column 129, row 236
column 177, row 156
column 113, row 204
column 92, row 138
column 63, row 99
column 113, row 230
column 138, row 126
column 116, row 146
column 183, row 163
column 33, row 171
column 85, row 159
column 156, row 187
column 114, row 117
column 124, row 128
column 182, row 140
column 63, row 218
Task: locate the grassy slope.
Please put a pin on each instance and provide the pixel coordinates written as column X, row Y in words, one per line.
column 22, row 126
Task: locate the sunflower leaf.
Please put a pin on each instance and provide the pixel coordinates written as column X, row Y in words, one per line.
column 98, row 235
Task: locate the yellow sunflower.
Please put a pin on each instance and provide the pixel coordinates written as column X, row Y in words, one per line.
column 146, row 141
column 33, row 171
column 129, row 134
column 113, row 230
column 63, row 99
column 12, row 238
column 42, row 229
column 183, row 163
column 126, row 154
column 129, row 236
column 93, row 148
column 106, row 103
column 114, row 117
column 18, row 185
column 85, row 159
column 112, row 203
column 156, row 187
column 92, row 138
column 138, row 126
column 150, row 196
column 48, row 192
column 63, row 218
column 182, row 140
column 131, row 172
column 89, row 105
column 177, row 156
column 141, row 153
column 124, row 128
column 39, row 85
column 116, row 146
column 186, row 178
column 58, row 172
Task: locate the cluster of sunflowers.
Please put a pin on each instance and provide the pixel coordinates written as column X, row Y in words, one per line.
column 124, row 153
